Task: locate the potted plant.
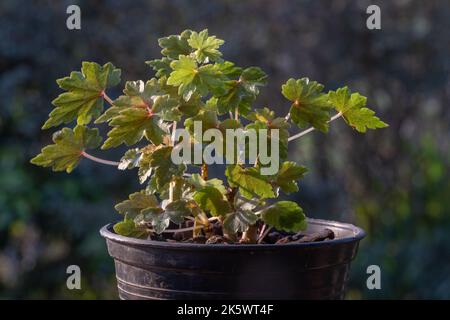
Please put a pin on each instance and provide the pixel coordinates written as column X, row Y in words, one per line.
column 187, row 235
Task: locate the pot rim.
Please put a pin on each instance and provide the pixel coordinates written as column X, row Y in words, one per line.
column 358, row 234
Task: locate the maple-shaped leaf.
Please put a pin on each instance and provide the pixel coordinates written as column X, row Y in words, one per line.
column 167, row 108
column 242, row 92
column 68, row 148
column 284, row 215
column 136, row 95
column 191, row 78
column 149, row 96
column 208, row 119
column 128, row 228
column 210, row 195
column 154, row 216
column 199, row 183
column 176, row 45
column 137, row 202
column 175, row 211
column 205, row 46
column 354, row 111
column 130, row 159
column 131, row 125
column 157, row 163
column 265, row 119
column 161, row 66
column 239, row 221
column 84, row 97
column 287, row 176
column 178, row 210
column 229, row 69
column 310, row 105
column 264, row 115
column 250, row 182
column 190, row 107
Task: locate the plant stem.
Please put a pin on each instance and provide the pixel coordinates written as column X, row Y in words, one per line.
column 174, row 128
column 90, row 157
column 204, row 171
column 231, row 115
column 288, row 116
column 236, row 114
column 107, row 98
column 172, row 143
column 250, row 235
column 298, row 135
column 263, row 233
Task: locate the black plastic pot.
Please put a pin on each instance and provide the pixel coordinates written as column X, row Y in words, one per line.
column 162, row 270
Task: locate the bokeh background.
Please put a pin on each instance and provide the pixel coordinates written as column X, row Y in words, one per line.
column 393, row 182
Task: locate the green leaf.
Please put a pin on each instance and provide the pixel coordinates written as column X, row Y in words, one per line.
column 178, row 210
column 287, row 176
column 264, row 115
column 199, row 183
column 128, row 228
column 161, row 66
column 137, row 202
column 250, row 182
column 176, row 45
column 265, row 119
column 252, row 78
column 83, row 99
column 137, row 95
column 241, row 93
column 166, row 108
column 157, row 217
column 205, row 46
column 209, row 121
column 239, row 221
column 158, row 162
column 191, row 107
column 67, row 149
column 352, row 107
column 190, row 78
column 211, row 199
column 130, row 159
column 174, row 211
column 310, row 105
column 228, row 69
column 131, row 125
column 149, row 97
column 284, row 215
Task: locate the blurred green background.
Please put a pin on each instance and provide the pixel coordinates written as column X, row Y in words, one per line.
column 393, row 182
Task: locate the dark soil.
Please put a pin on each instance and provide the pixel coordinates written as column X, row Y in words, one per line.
column 215, row 236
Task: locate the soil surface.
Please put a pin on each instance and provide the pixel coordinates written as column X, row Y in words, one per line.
column 216, row 236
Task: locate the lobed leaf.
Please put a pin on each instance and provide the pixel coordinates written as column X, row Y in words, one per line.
column 239, row 221
column 84, row 97
column 66, row 152
column 287, row 176
column 249, row 181
column 206, row 47
column 352, row 107
column 137, row 202
column 284, row 215
column 310, row 105
column 176, row 45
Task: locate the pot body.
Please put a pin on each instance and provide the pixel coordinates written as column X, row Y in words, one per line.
column 163, row 270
